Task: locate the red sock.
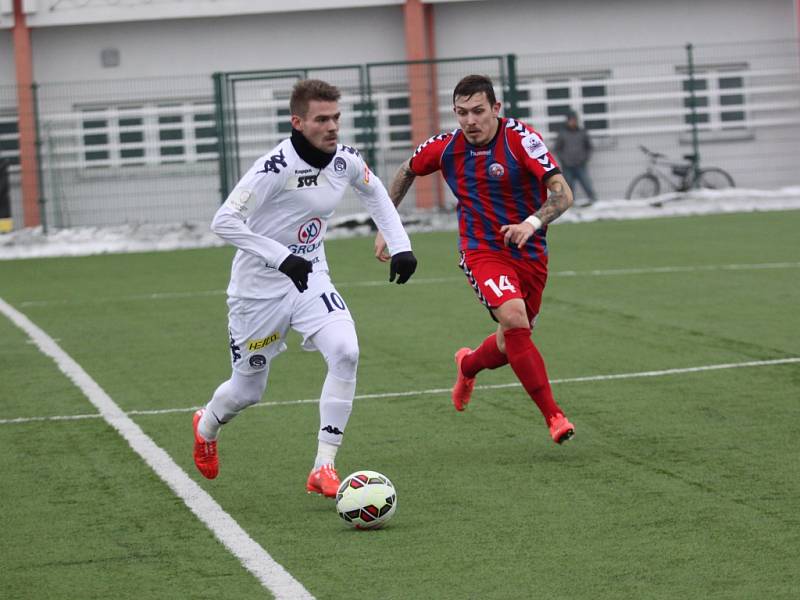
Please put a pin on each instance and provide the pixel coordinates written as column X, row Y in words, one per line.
column 528, row 366
column 485, row 356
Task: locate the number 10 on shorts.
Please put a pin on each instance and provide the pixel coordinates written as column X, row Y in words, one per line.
column 500, row 285
column 333, row 301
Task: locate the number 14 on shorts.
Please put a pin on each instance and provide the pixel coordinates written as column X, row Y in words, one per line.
column 500, row 285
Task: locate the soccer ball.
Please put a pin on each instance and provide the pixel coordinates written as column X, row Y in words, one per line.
column 366, row 500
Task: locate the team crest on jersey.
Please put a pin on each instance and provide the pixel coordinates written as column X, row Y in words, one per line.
column 496, row 170
column 309, row 231
column 339, row 164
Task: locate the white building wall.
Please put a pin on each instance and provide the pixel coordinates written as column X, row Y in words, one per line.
column 542, row 26
column 203, row 46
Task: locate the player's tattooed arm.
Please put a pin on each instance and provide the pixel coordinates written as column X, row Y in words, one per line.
column 401, row 183
column 398, row 188
column 558, row 201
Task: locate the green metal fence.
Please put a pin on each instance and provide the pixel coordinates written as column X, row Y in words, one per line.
column 169, row 149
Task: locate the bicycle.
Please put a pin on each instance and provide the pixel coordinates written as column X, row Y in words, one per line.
column 648, row 184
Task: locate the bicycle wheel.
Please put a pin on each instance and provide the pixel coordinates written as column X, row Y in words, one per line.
column 714, row 178
column 643, row 186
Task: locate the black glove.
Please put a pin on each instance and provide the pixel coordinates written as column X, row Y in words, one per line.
column 403, row 265
column 296, row 269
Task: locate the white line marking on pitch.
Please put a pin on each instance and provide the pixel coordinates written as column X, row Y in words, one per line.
column 435, row 391
column 254, row 558
column 433, row 280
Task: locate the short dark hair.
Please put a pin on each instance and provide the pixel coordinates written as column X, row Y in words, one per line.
column 306, row 90
column 475, row 84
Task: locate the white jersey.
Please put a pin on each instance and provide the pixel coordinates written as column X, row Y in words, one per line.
column 282, row 205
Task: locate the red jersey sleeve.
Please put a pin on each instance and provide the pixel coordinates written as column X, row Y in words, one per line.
column 529, row 149
column 427, row 158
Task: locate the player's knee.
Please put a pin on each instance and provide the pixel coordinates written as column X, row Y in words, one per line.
column 514, row 320
column 247, row 390
column 344, row 361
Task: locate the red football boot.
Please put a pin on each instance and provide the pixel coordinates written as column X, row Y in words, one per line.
column 462, row 390
column 560, row 429
column 205, row 453
column 323, row 481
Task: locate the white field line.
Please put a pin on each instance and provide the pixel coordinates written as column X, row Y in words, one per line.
column 437, row 391
column 254, row 558
column 434, row 280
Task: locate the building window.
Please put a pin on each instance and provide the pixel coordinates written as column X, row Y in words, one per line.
column 170, row 133
column 131, row 136
column 148, row 134
column 585, row 94
column 9, row 138
column 719, row 97
column 545, row 101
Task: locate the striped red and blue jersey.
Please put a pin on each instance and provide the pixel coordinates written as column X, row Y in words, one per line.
column 498, row 184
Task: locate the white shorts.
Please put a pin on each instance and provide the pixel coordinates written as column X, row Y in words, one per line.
column 258, row 328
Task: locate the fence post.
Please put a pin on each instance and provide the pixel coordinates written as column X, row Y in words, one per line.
column 222, row 154
column 6, row 224
column 38, row 144
column 511, row 90
column 693, row 107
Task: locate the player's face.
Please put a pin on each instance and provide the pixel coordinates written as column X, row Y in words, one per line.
column 477, row 118
column 320, row 125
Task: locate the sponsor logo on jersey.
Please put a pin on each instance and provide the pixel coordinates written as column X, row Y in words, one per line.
column 496, row 170
column 480, row 152
column 258, row 361
column 339, row 164
column 309, row 231
column 307, row 181
column 304, row 248
column 303, row 171
column 264, row 342
column 271, row 164
column 366, row 174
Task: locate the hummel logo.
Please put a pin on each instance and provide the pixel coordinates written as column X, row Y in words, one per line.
column 333, row 430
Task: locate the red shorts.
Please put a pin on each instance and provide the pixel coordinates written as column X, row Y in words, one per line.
column 497, row 278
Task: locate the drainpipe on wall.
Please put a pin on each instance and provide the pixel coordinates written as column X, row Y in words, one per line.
column 422, row 86
column 26, row 110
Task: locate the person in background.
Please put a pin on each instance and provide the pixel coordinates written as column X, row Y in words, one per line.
column 574, row 149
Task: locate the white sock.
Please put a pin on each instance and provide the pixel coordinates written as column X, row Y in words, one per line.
column 335, row 405
column 326, row 454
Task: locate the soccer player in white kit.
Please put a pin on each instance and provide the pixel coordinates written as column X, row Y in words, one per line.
column 277, row 216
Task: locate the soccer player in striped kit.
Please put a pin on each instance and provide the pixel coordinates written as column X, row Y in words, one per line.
column 509, row 188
